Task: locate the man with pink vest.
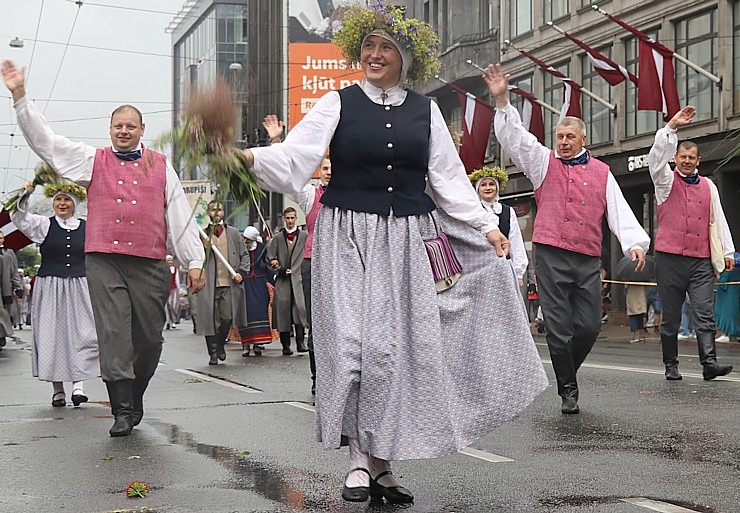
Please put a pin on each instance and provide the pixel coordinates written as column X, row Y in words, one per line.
column 135, row 201
column 574, row 191
column 687, row 203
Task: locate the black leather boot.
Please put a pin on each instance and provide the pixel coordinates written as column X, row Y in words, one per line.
column 285, row 341
column 708, row 357
column 565, row 375
column 137, row 391
column 122, row 407
column 212, row 346
column 300, row 335
column 669, row 346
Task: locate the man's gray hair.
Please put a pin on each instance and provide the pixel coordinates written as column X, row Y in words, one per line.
column 571, row 121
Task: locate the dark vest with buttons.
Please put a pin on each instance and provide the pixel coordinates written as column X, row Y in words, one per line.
column 379, row 156
column 63, row 252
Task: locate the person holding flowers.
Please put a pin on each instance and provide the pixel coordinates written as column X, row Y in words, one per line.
column 135, row 201
column 488, row 182
column 402, row 372
column 65, row 346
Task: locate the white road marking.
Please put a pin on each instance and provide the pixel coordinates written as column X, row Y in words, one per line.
column 662, row 507
column 485, row 456
column 302, row 406
column 649, row 371
column 222, row 382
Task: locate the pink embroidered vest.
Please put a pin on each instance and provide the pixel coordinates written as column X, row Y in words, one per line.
column 683, row 219
column 126, row 205
column 311, row 221
column 571, row 203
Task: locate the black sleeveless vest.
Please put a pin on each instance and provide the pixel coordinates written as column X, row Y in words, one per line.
column 379, row 156
column 63, row 252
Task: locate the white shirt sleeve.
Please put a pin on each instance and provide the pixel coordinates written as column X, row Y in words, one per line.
column 663, row 149
column 719, row 218
column 33, row 226
column 304, row 199
column 518, row 252
column 531, row 157
column 72, row 160
column 287, row 167
column 181, row 223
column 622, row 221
column 449, row 182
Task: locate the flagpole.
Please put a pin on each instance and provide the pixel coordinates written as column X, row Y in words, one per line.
column 585, row 91
column 714, row 78
column 538, row 102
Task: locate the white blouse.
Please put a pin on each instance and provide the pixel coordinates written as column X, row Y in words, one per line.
column 34, row 226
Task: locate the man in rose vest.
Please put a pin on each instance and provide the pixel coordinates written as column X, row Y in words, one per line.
column 687, row 203
column 574, row 191
column 135, row 201
column 309, row 201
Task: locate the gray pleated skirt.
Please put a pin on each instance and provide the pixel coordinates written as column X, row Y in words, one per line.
column 65, row 345
column 409, row 372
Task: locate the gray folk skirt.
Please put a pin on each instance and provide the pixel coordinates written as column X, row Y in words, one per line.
column 65, row 345
column 409, row 372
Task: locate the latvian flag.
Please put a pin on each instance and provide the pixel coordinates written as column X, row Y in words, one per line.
column 572, row 89
column 610, row 71
column 531, row 113
column 14, row 239
column 476, row 125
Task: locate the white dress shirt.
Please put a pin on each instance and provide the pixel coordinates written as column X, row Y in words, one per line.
column 533, row 159
column 664, row 148
column 517, row 251
column 74, row 161
column 286, row 167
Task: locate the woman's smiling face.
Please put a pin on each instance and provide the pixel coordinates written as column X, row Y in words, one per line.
column 381, row 62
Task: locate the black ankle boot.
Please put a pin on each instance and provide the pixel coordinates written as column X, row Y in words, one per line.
column 121, row 405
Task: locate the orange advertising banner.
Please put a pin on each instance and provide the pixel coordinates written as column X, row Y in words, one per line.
column 313, row 70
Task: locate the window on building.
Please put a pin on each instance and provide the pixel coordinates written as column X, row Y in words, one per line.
column 637, row 122
column 696, row 40
column 553, row 96
column 524, row 83
column 520, row 17
column 555, row 9
column 597, row 117
column 736, row 55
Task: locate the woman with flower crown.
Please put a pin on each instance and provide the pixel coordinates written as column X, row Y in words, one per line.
column 65, row 346
column 402, row 372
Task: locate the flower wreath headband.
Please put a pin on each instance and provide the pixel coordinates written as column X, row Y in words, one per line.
column 497, row 173
column 416, row 37
column 68, row 188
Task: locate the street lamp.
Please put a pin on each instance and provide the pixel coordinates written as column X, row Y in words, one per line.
column 16, row 43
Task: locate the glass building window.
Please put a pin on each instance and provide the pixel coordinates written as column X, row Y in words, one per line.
column 555, row 9
column 520, row 17
column 637, row 121
column 525, row 83
column 554, row 96
column 736, row 55
column 696, row 39
column 597, row 117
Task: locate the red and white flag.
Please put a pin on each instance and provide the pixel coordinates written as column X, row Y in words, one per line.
column 14, row 239
column 609, row 70
column 476, row 125
column 571, row 89
column 657, row 90
column 531, row 113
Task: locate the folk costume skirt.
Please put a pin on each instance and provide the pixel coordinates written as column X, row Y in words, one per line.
column 408, row 372
column 65, row 345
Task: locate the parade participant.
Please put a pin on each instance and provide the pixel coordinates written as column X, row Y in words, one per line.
column 285, row 253
column 574, row 191
column 256, row 331
column 388, row 380
column 172, row 308
column 221, row 302
column 687, row 204
column 135, row 200
column 488, row 182
column 8, row 285
column 65, row 346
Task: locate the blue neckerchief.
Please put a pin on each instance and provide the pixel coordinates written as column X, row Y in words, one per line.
column 128, row 155
column 583, row 158
column 692, row 179
column 323, row 187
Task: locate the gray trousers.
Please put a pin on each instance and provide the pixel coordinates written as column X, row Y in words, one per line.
column 128, row 295
column 222, row 317
column 569, row 287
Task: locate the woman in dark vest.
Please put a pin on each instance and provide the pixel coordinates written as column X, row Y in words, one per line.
column 488, row 182
column 402, row 372
column 65, row 346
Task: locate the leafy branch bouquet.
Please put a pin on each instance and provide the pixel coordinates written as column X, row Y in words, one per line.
column 44, row 175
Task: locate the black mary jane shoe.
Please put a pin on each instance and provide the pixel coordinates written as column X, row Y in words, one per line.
column 391, row 494
column 356, row 493
column 59, row 399
column 78, row 399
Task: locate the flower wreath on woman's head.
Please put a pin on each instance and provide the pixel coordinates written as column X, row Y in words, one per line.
column 68, row 188
column 416, row 37
column 495, row 172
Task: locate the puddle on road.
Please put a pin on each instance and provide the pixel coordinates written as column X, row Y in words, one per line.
column 569, row 501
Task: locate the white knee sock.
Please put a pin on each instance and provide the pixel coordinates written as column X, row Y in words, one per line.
column 78, row 387
column 58, row 387
column 378, row 466
column 357, row 459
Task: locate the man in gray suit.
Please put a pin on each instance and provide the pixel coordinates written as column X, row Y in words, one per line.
column 286, row 254
column 221, row 303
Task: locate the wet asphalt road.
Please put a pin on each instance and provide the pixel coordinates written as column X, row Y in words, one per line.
column 239, row 438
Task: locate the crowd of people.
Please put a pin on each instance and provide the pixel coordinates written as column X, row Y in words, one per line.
column 361, row 279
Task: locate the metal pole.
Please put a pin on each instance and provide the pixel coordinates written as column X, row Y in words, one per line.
column 218, row 254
